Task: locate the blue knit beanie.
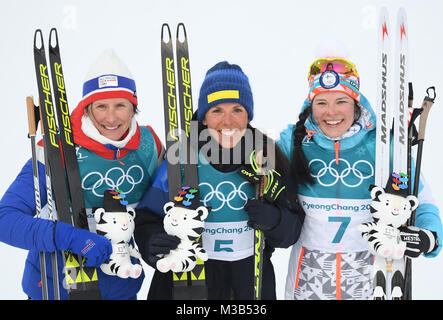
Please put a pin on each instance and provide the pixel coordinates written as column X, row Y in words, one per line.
column 225, row 82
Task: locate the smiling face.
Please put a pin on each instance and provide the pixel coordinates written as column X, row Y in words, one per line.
column 112, row 117
column 333, row 112
column 227, row 123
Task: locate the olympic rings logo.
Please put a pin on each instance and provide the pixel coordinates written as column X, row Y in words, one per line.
column 235, row 193
column 329, row 170
column 114, row 181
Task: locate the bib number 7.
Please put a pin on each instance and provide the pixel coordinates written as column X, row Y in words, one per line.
column 344, row 222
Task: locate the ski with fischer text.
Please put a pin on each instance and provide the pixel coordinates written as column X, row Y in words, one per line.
column 181, row 143
column 81, row 282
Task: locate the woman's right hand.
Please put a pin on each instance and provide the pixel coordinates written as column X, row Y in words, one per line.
column 160, row 244
column 95, row 248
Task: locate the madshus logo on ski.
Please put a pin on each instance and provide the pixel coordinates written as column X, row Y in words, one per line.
column 396, row 156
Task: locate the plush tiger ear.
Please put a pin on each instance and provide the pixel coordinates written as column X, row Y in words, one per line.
column 168, row 206
column 202, row 213
column 98, row 214
column 413, row 201
column 376, row 191
column 131, row 212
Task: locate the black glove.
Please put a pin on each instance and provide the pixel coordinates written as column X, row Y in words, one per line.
column 418, row 241
column 160, row 243
column 262, row 215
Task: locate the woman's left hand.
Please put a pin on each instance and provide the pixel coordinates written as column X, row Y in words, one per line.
column 418, row 241
column 262, row 215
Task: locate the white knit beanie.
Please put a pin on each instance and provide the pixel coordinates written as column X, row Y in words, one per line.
column 108, row 77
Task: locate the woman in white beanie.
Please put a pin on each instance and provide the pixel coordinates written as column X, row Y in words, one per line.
column 225, row 109
column 113, row 152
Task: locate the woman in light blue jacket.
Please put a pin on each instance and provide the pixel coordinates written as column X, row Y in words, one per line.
column 332, row 151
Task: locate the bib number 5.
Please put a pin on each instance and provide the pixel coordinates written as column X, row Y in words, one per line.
column 223, row 245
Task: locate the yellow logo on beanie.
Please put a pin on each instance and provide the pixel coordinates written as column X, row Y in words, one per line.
column 223, row 94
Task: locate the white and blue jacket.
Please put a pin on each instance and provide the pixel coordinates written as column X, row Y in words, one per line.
column 337, row 202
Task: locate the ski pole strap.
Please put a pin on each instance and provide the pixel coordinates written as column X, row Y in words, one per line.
column 412, row 129
column 410, row 95
column 53, row 234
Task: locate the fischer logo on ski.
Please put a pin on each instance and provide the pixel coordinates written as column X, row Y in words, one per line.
column 82, row 282
column 181, row 150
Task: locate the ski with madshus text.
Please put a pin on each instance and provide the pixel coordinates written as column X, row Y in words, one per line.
column 181, row 149
column 64, row 180
column 392, row 278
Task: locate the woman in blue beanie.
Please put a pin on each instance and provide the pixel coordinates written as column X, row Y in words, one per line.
column 225, row 109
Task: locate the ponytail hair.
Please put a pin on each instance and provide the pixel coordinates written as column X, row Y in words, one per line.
column 299, row 164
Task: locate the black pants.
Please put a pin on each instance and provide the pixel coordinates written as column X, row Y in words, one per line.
column 225, row 280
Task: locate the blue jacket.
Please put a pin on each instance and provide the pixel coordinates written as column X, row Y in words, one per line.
column 19, row 227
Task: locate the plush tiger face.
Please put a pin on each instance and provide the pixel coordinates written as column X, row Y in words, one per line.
column 390, row 209
column 182, row 222
column 116, row 226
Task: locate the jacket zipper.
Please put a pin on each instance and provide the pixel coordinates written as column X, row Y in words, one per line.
column 337, row 150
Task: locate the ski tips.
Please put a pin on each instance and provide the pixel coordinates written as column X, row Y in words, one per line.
column 402, row 28
column 384, row 31
column 163, row 35
column 53, row 38
column 401, row 13
column 181, row 36
column 38, row 40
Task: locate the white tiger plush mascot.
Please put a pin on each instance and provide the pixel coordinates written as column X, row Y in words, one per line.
column 391, row 208
column 186, row 223
column 390, row 211
column 116, row 222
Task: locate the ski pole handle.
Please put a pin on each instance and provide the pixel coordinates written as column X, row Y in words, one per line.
column 32, row 122
column 428, row 101
column 257, row 163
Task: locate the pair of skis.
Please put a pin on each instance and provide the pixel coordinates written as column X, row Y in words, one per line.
column 396, row 113
column 62, row 172
column 181, row 143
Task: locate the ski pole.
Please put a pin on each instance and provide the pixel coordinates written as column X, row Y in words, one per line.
column 428, row 101
column 33, row 119
column 259, row 242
